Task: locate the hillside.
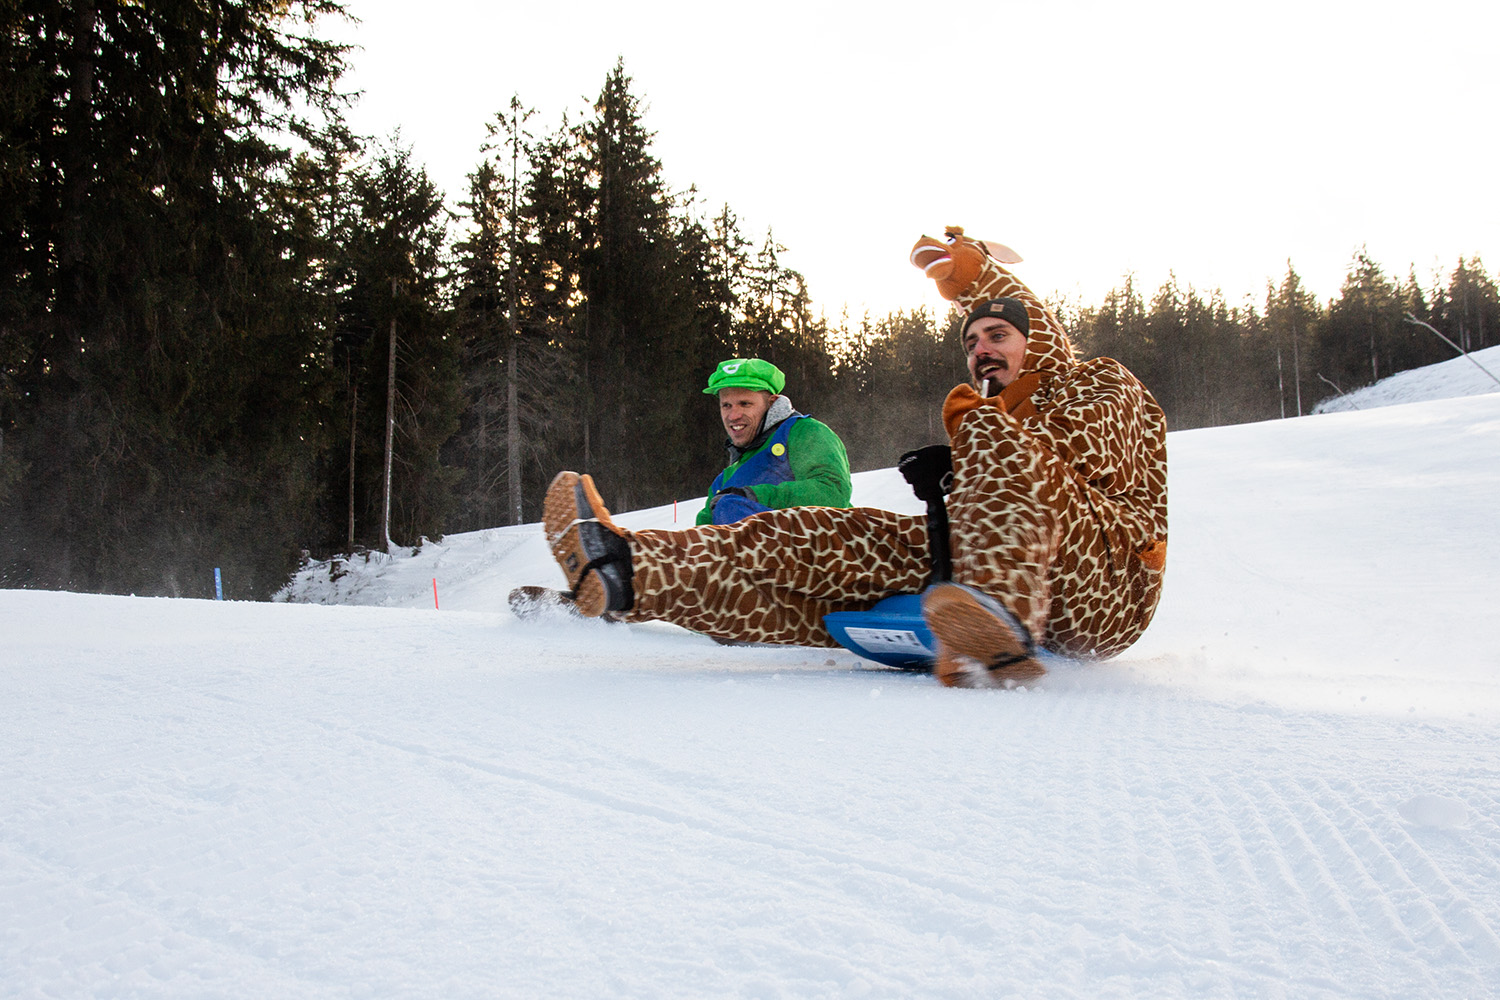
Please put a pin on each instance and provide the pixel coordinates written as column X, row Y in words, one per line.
column 1289, row 788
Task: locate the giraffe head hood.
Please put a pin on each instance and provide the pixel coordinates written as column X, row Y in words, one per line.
column 970, row 271
column 958, row 263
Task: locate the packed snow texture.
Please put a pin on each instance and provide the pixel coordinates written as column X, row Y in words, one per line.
column 1289, row 788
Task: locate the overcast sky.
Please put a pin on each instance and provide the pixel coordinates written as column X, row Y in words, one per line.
column 1096, row 138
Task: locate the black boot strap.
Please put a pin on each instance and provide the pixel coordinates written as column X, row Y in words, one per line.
column 594, row 564
column 1010, row 659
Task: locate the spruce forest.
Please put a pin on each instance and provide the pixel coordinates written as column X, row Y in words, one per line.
column 232, row 333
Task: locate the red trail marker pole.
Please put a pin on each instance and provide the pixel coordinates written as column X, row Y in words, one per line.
column 434, row 594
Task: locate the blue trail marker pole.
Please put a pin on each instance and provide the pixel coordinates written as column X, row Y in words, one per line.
column 218, row 585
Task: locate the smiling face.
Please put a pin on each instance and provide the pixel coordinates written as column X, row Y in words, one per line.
column 742, row 411
column 996, row 350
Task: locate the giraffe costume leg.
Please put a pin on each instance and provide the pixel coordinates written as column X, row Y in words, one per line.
column 772, row 577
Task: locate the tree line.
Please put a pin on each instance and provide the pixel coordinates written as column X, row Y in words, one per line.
column 232, row 333
column 1210, row 363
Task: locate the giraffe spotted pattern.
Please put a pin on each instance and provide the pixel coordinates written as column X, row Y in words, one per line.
column 1058, row 510
column 772, row 577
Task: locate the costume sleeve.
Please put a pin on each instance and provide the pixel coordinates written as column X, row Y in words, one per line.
column 1097, row 425
column 706, row 515
column 820, row 470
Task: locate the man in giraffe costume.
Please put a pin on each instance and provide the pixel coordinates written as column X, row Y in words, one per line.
column 1056, row 501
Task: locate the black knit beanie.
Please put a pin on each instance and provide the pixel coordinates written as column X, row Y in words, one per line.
column 1013, row 311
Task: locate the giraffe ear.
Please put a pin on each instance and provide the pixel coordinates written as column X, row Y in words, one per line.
column 1001, row 252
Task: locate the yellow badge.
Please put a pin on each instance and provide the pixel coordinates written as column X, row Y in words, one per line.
column 778, row 449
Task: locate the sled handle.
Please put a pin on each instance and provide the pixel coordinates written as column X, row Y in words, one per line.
column 939, row 551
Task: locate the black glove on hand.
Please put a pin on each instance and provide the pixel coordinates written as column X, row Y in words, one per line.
column 739, row 491
column 929, row 471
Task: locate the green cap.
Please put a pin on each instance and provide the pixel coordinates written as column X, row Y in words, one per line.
column 746, row 373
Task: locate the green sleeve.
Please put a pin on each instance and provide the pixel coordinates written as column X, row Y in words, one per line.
column 706, row 515
column 820, row 470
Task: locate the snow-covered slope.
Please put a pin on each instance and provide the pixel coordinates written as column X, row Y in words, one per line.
column 1289, row 788
column 1472, row 375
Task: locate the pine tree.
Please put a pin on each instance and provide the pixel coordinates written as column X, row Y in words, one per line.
column 394, row 317
column 156, row 284
column 481, row 447
column 1291, row 324
column 1472, row 313
column 1359, row 335
column 515, row 142
column 547, row 268
column 710, row 269
column 1116, row 329
column 726, row 269
column 509, row 307
column 633, row 336
column 907, row 363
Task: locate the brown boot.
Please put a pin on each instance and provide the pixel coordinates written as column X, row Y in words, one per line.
column 592, row 551
column 980, row 643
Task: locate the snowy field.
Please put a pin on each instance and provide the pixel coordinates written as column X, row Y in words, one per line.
column 1289, row 788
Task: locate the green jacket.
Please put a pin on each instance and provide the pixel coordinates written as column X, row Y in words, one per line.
column 819, row 465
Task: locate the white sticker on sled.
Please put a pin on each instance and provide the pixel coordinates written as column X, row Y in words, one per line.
column 888, row 640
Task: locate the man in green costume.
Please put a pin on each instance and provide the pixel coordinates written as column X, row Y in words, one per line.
column 777, row 456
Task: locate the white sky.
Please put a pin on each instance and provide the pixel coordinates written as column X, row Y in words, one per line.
column 1096, row 138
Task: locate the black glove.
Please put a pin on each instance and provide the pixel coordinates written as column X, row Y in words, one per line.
column 739, row 491
column 929, row 470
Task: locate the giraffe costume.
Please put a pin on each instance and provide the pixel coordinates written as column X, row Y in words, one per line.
column 1058, row 510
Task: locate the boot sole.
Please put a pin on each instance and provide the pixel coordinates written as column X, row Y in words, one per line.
column 980, row 643
column 572, row 498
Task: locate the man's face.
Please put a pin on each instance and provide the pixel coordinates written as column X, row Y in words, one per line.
column 742, row 410
column 996, row 351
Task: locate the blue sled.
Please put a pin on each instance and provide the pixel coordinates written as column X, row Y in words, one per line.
column 893, row 632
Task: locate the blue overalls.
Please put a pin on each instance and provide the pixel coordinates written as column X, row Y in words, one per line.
column 771, row 465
